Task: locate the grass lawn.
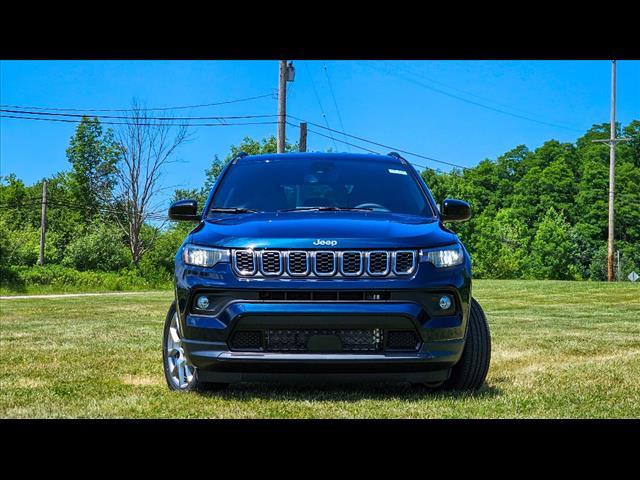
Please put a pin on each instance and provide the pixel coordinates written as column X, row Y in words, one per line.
column 560, row 350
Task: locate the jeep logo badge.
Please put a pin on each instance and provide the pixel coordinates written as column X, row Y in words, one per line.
column 326, row 243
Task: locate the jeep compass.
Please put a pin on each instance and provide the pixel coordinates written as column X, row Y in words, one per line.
column 323, row 265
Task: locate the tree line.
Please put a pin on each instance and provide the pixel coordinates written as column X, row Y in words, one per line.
column 539, row 214
column 543, row 213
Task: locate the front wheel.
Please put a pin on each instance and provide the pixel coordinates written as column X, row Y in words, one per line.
column 470, row 372
column 179, row 374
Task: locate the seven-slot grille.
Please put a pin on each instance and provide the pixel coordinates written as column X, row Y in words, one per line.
column 324, row 263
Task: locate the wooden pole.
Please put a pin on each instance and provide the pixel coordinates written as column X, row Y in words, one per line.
column 43, row 222
column 303, row 136
column 282, row 105
column 612, row 172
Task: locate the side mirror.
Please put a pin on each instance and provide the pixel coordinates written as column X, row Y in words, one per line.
column 455, row 211
column 184, row 210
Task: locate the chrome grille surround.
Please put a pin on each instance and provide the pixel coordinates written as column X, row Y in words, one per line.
column 402, row 254
column 341, row 260
column 375, row 257
column 324, row 263
column 240, row 258
column 294, row 256
column 270, row 262
column 322, row 257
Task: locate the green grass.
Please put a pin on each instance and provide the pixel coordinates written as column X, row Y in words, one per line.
column 560, row 350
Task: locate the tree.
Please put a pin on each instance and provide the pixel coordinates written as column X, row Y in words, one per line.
column 502, row 245
column 93, row 156
column 146, row 147
column 553, row 249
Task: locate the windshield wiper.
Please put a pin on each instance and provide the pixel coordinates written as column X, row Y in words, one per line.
column 232, row 210
column 327, row 209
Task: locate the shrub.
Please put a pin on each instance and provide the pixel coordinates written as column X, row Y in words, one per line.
column 160, row 259
column 101, row 248
column 58, row 278
column 22, row 247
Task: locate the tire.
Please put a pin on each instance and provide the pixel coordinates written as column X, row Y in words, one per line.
column 471, row 371
column 172, row 351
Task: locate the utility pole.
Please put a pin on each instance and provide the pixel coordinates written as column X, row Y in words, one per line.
column 612, row 141
column 43, row 222
column 287, row 74
column 303, row 136
column 282, row 105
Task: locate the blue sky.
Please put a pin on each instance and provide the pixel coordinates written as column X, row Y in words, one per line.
column 428, row 107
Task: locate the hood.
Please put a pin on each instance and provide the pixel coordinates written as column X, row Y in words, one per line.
column 308, row 230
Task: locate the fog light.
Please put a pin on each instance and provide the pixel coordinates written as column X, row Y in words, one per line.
column 445, row 302
column 202, row 302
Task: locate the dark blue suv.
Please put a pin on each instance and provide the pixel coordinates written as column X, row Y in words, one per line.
column 316, row 265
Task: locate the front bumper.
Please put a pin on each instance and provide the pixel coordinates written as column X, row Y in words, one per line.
column 207, row 337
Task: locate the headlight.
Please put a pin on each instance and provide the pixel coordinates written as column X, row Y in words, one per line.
column 203, row 256
column 443, row 257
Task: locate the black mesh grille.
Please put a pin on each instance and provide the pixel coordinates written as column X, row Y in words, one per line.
column 404, row 262
column 402, row 340
column 298, row 262
column 351, row 262
column 378, row 262
column 304, row 340
column 245, row 261
column 249, row 340
column 271, row 262
column 325, row 262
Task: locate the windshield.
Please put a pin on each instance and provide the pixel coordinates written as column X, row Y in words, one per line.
column 301, row 183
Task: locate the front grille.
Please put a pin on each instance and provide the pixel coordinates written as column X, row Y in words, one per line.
column 324, row 263
column 244, row 261
column 404, row 262
column 270, row 263
column 351, row 263
column 324, row 340
column 298, row 263
column 378, row 263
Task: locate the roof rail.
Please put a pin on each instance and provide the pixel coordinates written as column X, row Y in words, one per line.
column 398, row 156
column 238, row 156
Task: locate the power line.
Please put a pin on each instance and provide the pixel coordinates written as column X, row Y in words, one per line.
column 453, row 172
column 335, row 139
column 142, row 117
column 68, row 120
column 421, row 75
column 182, row 107
column 103, row 210
column 478, row 104
column 335, row 103
column 383, row 145
column 324, row 116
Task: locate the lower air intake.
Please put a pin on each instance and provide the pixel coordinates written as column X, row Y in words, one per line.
column 246, row 341
column 321, row 340
column 402, row 340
